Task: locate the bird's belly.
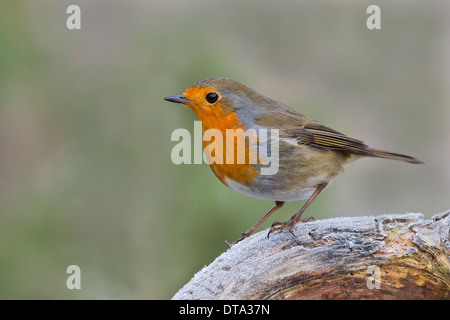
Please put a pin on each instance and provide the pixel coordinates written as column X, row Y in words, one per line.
column 300, row 172
column 271, row 192
column 297, row 178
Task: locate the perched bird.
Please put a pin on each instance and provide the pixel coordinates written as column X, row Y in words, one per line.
column 310, row 154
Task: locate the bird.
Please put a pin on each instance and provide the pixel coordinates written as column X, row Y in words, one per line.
column 310, row 154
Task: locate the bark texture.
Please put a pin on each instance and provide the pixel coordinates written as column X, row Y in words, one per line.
column 399, row 256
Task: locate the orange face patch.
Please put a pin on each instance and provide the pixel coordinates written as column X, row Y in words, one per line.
column 199, row 104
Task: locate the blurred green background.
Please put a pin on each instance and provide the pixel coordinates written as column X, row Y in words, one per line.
column 86, row 176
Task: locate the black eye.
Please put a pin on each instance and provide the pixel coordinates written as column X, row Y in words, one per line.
column 212, row 97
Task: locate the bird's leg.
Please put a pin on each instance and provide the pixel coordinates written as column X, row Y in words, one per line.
column 280, row 226
column 278, row 205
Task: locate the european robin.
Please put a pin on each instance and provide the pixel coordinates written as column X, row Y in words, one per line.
column 310, row 153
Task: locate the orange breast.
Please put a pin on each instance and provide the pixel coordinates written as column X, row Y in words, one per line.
column 228, row 152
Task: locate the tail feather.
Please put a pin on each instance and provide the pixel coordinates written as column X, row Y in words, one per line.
column 394, row 156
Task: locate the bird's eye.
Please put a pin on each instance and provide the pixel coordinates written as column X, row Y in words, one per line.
column 212, row 97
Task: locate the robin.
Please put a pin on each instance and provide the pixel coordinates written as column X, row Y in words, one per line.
column 310, row 153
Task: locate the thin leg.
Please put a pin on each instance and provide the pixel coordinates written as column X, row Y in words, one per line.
column 278, row 205
column 279, row 226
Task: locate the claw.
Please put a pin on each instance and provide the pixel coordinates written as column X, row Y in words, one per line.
column 274, row 227
column 279, row 226
column 276, row 223
column 230, row 244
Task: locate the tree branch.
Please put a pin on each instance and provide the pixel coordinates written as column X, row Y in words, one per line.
column 398, row 256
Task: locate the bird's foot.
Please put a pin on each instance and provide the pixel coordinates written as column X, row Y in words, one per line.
column 230, row 244
column 289, row 225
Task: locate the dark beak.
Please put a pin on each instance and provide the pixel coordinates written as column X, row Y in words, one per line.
column 178, row 99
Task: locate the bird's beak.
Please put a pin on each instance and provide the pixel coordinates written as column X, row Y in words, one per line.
column 178, row 99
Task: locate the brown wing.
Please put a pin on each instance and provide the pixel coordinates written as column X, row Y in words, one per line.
column 294, row 125
column 328, row 140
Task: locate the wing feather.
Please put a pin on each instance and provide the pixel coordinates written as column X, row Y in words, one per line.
column 293, row 125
